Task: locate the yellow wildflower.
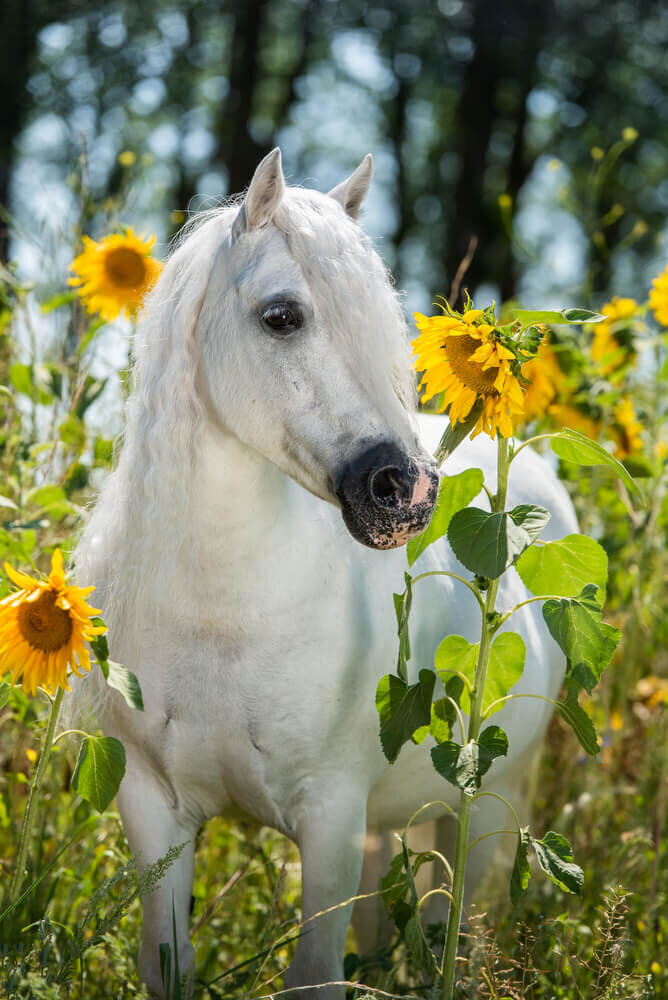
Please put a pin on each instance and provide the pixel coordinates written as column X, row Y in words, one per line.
column 115, row 274
column 626, row 429
column 463, row 358
column 610, row 347
column 44, row 628
column 547, row 381
column 569, row 416
column 658, row 298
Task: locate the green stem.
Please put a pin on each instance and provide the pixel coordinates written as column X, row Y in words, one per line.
column 33, row 797
column 475, row 721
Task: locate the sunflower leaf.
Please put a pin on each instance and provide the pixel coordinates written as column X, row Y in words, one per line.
column 125, row 682
column 571, row 446
column 555, row 857
column 487, row 544
column 562, row 568
column 99, row 770
column 521, row 874
column 588, row 642
column 454, row 493
column 403, row 709
column 554, row 318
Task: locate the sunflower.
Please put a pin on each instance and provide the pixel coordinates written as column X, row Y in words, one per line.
column 626, row 429
column 463, row 358
column 612, row 346
column 44, row 627
column 115, row 274
column 547, row 381
column 570, row 416
column 658, row 298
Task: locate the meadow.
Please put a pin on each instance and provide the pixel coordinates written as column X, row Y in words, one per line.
column 76, row 932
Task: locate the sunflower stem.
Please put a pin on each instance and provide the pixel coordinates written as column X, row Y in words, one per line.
column 33, row 796
column 475, row 721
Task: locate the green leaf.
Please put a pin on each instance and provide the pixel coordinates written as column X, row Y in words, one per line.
column 402, row 609
column 72, row 432
column 442, row 719
column 417, row 946
column 99, row 643
column 495, row 742
column 103, row 451
column 62, row 299
column 124, row 681
column 521, row 873
column 506, row 664
column 571, row 446
column 555, row 857
column 464, row 766
column 455, row 654
column 4, row 694
column 21, row 378
column 487, row 544
column 403, row 708
column 99, row 770
column 563, row 568
column 587, row 641
column 582, row 316
column 454, row 493
column 51, row 499
column 579, row 721
column 564, row 316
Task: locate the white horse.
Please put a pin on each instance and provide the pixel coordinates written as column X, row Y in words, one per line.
column 273, row 393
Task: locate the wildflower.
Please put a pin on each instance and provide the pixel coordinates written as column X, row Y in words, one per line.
column 626, row 429
column 44, row 628
column 463, row 358
column 612, row 346
column 658, row 298
column 571, row 416
column 546, row 381
column 115, row 274
column 127, row 158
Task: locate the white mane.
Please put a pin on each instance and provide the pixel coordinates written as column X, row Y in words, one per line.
column 141, row 520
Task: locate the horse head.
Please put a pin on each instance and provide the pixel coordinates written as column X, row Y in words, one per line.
column 305, row 354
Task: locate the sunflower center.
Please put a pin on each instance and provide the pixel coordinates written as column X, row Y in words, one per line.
column 125, row 267
column 44, row 625
column 470, row 373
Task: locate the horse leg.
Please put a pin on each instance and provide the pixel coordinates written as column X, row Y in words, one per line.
column 331, row 843
column 152, row 828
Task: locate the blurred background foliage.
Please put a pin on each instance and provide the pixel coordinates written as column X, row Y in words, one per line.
column 461, row 103
column 531, row 138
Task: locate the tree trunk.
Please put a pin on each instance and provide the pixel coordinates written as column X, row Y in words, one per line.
column 238, row 152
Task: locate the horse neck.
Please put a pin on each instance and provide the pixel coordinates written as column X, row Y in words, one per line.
column 240, row 503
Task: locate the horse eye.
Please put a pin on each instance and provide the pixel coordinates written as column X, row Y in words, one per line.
column 282, row 317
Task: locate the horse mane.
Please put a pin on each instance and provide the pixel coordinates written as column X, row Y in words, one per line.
column 130, row 532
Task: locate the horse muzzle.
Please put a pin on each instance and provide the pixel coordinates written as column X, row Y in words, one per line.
column 386, row 496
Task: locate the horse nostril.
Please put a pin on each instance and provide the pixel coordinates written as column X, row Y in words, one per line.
column 389, row 487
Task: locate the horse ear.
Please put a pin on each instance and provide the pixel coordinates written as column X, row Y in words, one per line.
column 263, row 196
column 352, row 192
